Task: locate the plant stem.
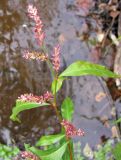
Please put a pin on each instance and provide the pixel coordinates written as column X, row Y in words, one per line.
column 44, row 48
column 55, row 76
column 70, row 151
column 69, row 148
column 106, row 34
column 67, row 139
column 57, row 113
column 60, row 118
column 56, row 81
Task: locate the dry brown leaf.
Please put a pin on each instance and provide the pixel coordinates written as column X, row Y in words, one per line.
column 87, row 151
column 114, row 39
column 114, row 131
column 105, row 121
column 113, row 2
column 113, row 112
column 100, row 36
column 85, row 4
column 106, row 124
column 61, row 38
column 113, row 8
column 100, row 96
column 103, row 6
column 114, row 14
column 96, row 54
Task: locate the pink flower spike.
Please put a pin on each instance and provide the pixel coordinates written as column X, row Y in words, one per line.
column 35, row 55
column 80, row 132
column 56, row 58
column 36, row 99
column 48, row 96
column 31, row 98
column 32, row 11
column 28, row 155
column 71, row 130
column 33, row 14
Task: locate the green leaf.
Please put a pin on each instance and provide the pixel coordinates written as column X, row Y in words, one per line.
column 66, row 155
column 67, row 109
column 22, row 106
column 27, row 146
column 50, row 139
column 56, row 84
column 117, row 121
column 93, row 42
column 117, row 151
column 8, row 152
column 119, row 38
column 50, row 154
column 81, row 68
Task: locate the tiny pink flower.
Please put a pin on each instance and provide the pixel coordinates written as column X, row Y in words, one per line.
column 33, row 14
column 80, row 132
column 56, row 58
column 28, row 155
column 47, row 96
column 71, row 130
column 36, row 99
column 31, row 98
column 32, row 11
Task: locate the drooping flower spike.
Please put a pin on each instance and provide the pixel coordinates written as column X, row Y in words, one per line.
column 71, row 130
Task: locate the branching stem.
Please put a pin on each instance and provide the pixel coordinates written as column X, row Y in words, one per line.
column 60, row 118
column 55, row 77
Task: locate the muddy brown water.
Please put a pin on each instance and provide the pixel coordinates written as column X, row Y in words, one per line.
column 17, row 76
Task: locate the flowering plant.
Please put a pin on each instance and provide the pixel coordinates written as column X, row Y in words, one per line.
column 59, row 146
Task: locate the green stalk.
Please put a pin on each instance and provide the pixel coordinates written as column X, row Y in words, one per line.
column 55, row 76
column 55, row 101
column 56, row 81
column 60, row 118
column 70, row 151
column 45, row 50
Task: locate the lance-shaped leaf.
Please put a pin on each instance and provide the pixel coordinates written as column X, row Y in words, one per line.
column 66, row 155
column 67, row 109
column 56, row 84
column 81, row 68
column 117, row 151
column 117, row 121
column 50, row 154
column 22, row 106
column 50, row 139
